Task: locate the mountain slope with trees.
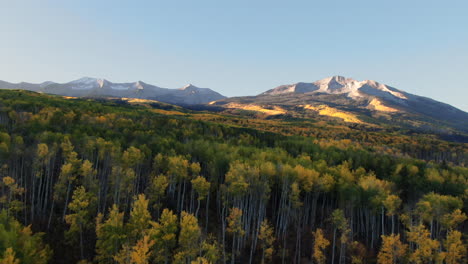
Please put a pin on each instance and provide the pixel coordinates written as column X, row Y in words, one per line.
column 111, row 181
column 361, row 102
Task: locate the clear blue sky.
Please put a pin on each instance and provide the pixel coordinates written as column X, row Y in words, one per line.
column 240, row 47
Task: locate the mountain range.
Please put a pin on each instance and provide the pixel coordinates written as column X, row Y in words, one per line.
column 335, row 98
column 93, row 87
column 359, row 102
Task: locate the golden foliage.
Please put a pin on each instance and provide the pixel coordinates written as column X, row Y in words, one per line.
column 320, row 244
column 392, row 250
column 9, row 257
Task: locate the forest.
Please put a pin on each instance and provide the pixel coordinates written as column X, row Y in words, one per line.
column 106, row 181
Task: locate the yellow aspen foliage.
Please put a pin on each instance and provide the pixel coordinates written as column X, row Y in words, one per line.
column 124, row 255
column 211, row 249
column 157, row 188
column 110, row 234
column 307, row 178
column 189, row 237
column 201, row 186
column 9, row 257
column 452, row 220
column 42, row 150
column 267, row 238
column 320, row 244
column 79, row 208
column 164, row 235
column 392, row 203
column 326, row 182
column 392, row 250
column 236, row 178
column 358, row 252
column 455, row 249
column 200, row 260
column 195, row 169
column 139, row 216
column 295, row 195
column 426, row 248
column 141, row 251
column 178, row 168
column 12, row 191
column 235, row 222
column 131, row 157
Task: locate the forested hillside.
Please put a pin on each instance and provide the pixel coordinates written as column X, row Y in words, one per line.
column 113, row 182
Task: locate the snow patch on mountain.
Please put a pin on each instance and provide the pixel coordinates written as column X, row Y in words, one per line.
column 341, row 85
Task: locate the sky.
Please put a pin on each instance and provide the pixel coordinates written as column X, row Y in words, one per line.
column 240, row 47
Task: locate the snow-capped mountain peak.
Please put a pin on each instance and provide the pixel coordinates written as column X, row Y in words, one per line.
column 189, row 87
column 139, row 85
column 101, row 82
column 94, row 87
column 84, row 83
column 86, row 80
column 341, row 85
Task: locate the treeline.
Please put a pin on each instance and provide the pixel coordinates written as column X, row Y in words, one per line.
column 112, row 183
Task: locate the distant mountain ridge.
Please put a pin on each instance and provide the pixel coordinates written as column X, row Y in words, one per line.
column 332, row 98
column 341, row 97
column 93, row 87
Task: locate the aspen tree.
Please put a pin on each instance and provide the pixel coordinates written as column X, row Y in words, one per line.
column 110, row 235
column 235, row 229
column 392, row 203
column 340, row 224
column 9, row 257
column 320, row 245
column 189, row 237
column 455, row 249
column 141, row 252
column 164, row 235
column 267, row 238
column 124, row 256
column 157, row 190
column 139, row 218
column 392, row 250
column 202, row 187
column 426, row 250
column 10, row 201
column 78, row 219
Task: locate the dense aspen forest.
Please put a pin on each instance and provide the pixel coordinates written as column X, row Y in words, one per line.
column 107, row 181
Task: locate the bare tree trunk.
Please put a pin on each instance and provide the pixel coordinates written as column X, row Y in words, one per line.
column 66, row 201
column 333, row 247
